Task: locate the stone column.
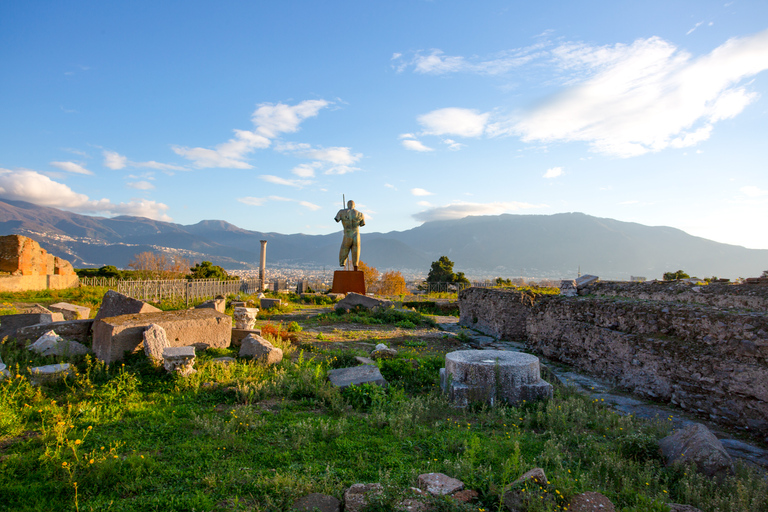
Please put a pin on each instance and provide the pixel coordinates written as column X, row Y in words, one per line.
column 263, row 264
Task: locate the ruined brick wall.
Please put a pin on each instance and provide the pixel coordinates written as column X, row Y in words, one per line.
column 27, row 266
column 498, row 312
column 706, row 359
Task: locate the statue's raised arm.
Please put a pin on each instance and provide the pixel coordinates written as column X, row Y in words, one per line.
column 351, row 219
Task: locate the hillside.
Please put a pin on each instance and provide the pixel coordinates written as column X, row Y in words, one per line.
column 502, row 245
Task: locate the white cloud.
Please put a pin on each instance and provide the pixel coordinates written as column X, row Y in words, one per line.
column 335, row 160
column 277, row 180
column 39, row 189
column 421, row 192
column 305, row 170
column 389, row 185
column 270, row 121
column 644, row 97
column 340, row 169
column 460, row 210
column 114, row 160
column 553, row 172
column 252, row 201
column 436, row 62
column 463, row 122
column 453, row 145
column 141, row 185
column 415, row 145
column 71, row 167
column 259, row 201
column 334, row 155
column 307, row 204
column 753, row 191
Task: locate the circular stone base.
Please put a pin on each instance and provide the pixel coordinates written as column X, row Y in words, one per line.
column 488, row 375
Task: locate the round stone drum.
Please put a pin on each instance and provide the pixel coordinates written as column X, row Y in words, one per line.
column 492, row 375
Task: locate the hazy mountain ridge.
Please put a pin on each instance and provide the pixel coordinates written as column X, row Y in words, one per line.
column 503, row 245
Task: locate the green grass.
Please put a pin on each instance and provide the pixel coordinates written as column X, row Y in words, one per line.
column 128, row 436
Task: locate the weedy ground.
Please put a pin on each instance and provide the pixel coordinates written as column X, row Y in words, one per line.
column 130, row 437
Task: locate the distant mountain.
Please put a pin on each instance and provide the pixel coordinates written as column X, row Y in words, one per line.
column 501, row 245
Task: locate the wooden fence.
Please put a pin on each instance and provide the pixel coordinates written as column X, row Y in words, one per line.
column 156, row 290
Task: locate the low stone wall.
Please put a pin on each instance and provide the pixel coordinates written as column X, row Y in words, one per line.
column 702, row 358
column 742, row 296
column 45, row 282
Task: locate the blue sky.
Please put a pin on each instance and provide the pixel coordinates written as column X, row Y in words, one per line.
column 264, row 113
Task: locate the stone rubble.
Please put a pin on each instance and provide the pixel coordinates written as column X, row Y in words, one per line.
column 383, row 352
column 51, row 344
column 260, row 349
column 155, row 342
column 179, row 360
column 696, row 444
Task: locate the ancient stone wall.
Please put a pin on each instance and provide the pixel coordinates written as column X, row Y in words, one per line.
column 498, row 312
column 27, row 266
column 706, row 359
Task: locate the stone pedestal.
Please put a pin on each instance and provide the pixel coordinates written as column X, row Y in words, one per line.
column 245, row 318
column 345, row 281
column 492, row 375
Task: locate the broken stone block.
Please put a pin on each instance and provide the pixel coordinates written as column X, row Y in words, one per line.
column 49, row 373
column 695, row 443
column 356, row 497
column 117, row 304
column 113, row 336
column 568, row 288
column 258, row 348
column 180, row 360
column 45, row 342
column 591, row 502
column 353, row 300
column 239, row 334
column 383, row 352
column 51, row 344
column 245, row 318
column 79, row 330
column 3, row 366
column 266, row 303
column 219, row 304
column 70, row 311
column 10, row 324
column 317, row 502
column 439, row 484
column 357, row 375
column 492, row 375
column 585, row 280
column 155, row 342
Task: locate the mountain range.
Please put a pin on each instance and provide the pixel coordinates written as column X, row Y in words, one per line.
column 553, row 246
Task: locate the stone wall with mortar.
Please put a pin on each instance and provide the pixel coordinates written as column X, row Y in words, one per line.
column 27, row 266
column 707, row 359
column 499, row 312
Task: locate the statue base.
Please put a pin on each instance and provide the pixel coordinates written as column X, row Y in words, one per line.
column 345, row 281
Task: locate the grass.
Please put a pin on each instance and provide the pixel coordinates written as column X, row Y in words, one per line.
column 129, row 436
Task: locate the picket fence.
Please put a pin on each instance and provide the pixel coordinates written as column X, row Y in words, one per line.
column 156, row 290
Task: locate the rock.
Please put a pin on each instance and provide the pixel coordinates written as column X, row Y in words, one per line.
column 239, row 334
column 568, row 288
column 245, row 318
column 383, row 352
column 258, row 348
column 266, row 303
column 79, row 330
column 591, row 502
column 364, row 374
column 365, row 360
column 536, row 475
column 180, row 360
column 676, row 507
column 11, row 324
column 356, row 497
column 113, row 336
column 219, row 304
column 155, row 342
column 49, row 373
column 318, row 503
column 3, row 366
column 71, row 311
column 517, row 501
column 45, row 343
column 353, row 300
column 465, row 496
column 67, row 348
column 585, row 280
column 117, row 304
column 696, row 444
column 439, row 484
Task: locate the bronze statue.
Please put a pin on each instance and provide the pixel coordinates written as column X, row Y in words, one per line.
column 351, row 219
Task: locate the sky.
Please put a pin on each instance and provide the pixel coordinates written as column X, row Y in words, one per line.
column 268, row 114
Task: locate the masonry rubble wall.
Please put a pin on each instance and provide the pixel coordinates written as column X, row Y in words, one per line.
column 722, row 295
column 707, row 359
column 27, row 266
column 113, row 336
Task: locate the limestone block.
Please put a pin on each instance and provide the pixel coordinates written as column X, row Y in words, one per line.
column 356, row 497
column 491, row 375
column 113, row 336
column 49, row 373
column 439, row 484
column 238, row 335
column 585, row 280
column 51, row 344
column 180, row 360
column 155, row 342
column 695, row 443
column 364, row 374
column 266, row 303
column 10, row 324
column 245, row 318
column 258, row 348
column 71, row 311
column 3, row 366
column 79, row 330
column 117, row 304
column 219, row 304
column 591, row 502
column 353, row 300
column 45, row 342
column 317, row 502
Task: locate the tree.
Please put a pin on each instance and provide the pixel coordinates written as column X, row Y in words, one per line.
column 672, row 276
column 371, row 276
column 207, row 270
column 441, row 271
column 153, row 265
column 503, row 282
column 392, row 283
